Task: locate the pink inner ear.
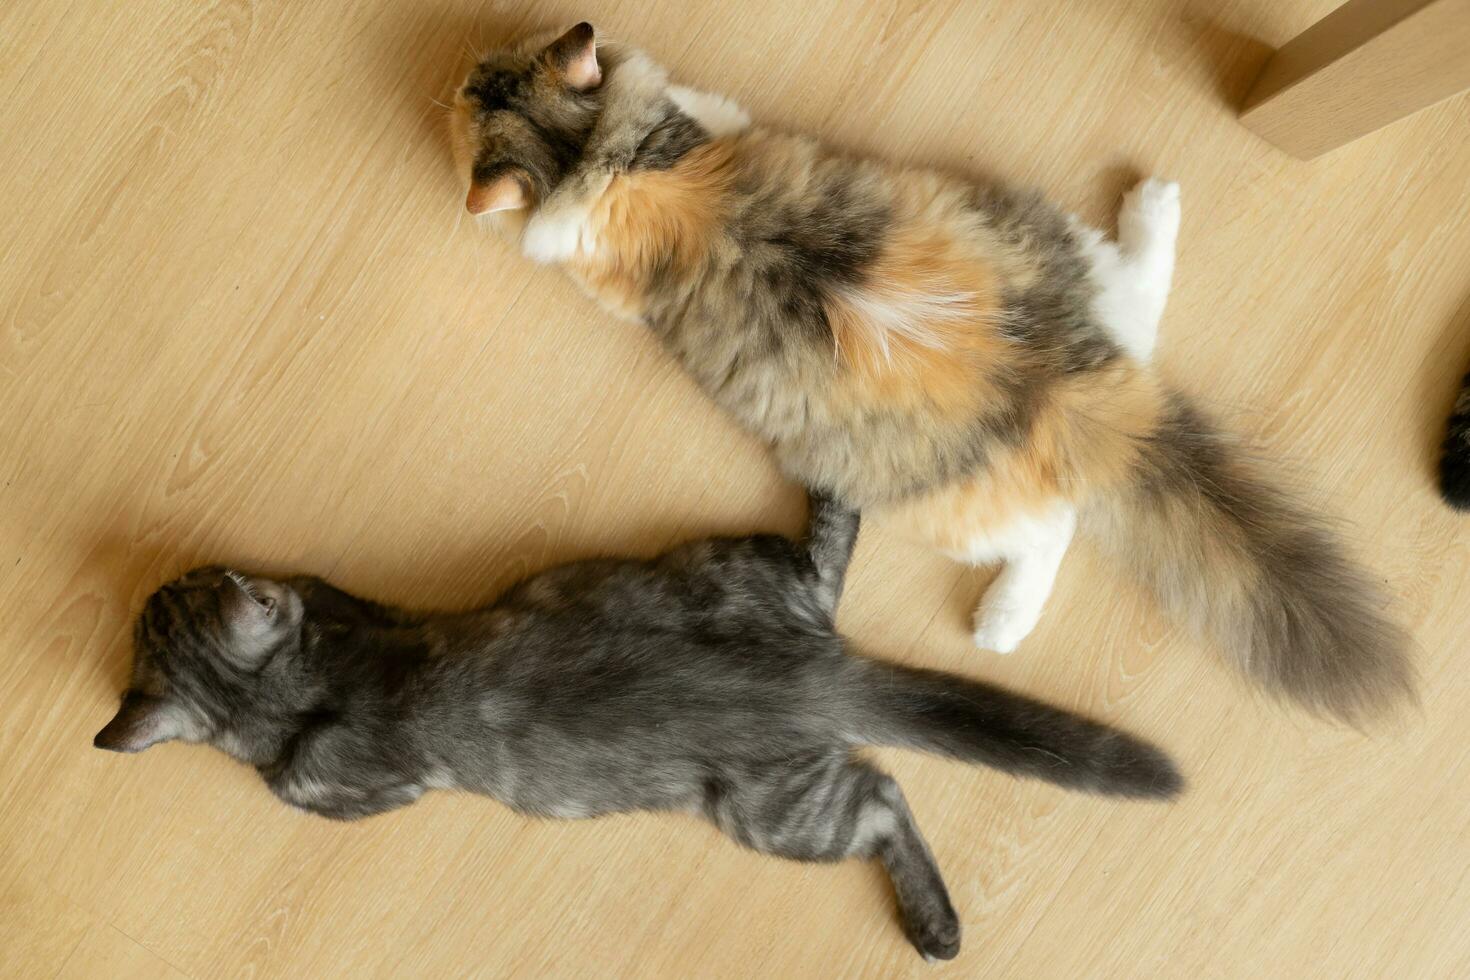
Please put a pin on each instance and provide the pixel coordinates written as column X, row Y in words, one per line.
column 582, row 71
column 505, row 193
column 239, row 608
column 575, row 55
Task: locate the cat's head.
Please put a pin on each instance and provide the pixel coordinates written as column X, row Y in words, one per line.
column 522, row 117
column 209, row 649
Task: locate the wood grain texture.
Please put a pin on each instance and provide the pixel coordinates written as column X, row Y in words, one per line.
column 243, row 319
column 1367, row 64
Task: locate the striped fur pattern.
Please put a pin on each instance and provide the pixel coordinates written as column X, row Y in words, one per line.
column 709, row 680
column 955, row 357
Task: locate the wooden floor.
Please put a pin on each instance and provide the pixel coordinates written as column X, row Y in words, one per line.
column 243, row 319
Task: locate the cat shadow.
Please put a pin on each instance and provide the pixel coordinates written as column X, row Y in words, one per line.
column 448, row 571
column 408, row 64
column 1444, row 367
column 127, row 561
column 1105, row 196
column 424, row 50
column 123, row 569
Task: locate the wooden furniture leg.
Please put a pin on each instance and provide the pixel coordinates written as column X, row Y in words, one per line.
column 1363, row 66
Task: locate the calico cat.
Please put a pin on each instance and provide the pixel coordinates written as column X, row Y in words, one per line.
column 1454, row 464
column 952, row 356
column 708, row 680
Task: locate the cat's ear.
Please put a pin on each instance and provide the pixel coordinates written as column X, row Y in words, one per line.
column 504, row 193
column 143, row 720
column 574, row 56
column 253, row 616
column 243, row 608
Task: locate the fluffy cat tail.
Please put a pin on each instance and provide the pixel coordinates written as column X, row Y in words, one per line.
column 1244, row 564
column 1454, row 465
column 932, row 711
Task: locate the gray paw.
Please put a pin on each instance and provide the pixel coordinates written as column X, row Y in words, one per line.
column 937, row 938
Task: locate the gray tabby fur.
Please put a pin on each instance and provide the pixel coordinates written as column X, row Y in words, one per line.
column 708, row 680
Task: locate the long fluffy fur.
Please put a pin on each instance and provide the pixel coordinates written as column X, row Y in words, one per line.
column 1241, row 562
column 922, row 347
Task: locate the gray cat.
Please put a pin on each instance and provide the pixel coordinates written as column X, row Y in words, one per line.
column 708, row 680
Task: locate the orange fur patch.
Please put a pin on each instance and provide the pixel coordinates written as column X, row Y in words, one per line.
column 646, row 218
column 923, row 328
column 1083, row 441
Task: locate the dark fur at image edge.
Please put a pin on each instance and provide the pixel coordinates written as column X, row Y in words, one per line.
column 1454, row 465
column 1241, row 562
column 709, row 680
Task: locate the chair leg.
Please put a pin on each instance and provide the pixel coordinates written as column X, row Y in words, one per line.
column 1363, row 66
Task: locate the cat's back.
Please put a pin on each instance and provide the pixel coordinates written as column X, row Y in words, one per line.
column 706, row 588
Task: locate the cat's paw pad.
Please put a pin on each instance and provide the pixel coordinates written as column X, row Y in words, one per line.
column 553, row 236
column 1150, row 214
column 1000, row 627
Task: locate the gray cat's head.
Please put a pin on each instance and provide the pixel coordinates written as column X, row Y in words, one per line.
column 522, row 117
column 212, row 649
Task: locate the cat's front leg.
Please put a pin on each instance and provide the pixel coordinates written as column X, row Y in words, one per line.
column 561, row 228
column 337, row 802
column 320, row 778
column 831, row 535
column 715, row 114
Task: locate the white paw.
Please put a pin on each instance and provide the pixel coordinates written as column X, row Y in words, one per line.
column 718, row 115
column 1150, row 215
column 1000, row 627
column 553, row 236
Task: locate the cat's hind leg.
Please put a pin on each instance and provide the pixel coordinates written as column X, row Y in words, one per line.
column 827, row 806
column 1134, row 275
column 1032, row 547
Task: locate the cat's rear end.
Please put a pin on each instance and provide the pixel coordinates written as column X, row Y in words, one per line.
column 745, row 668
